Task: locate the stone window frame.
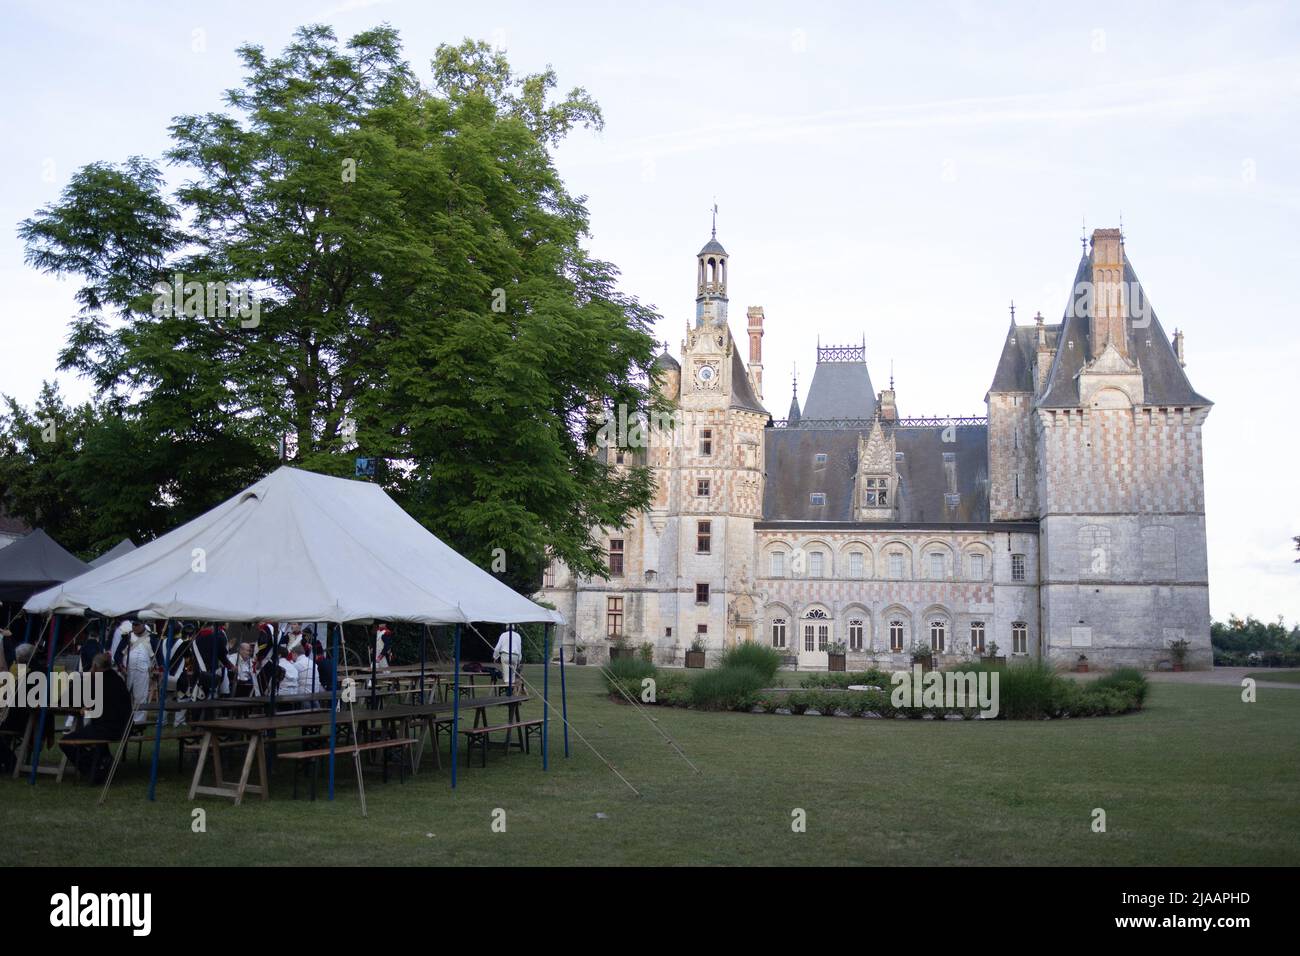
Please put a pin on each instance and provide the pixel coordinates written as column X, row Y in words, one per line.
column 703, row 488
column 704, row 536
column 613, row 616
column 855, row 640
column 1017, row 567
column 978, row 637
column 702, row 592
column 1019, row 635
column 706, row 442
column 779, row 629
column 615, row 553
column 897, row 635
column 875, row 491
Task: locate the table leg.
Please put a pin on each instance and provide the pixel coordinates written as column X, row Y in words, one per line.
column 249, row 755
column 263, row 782
column 198, row 766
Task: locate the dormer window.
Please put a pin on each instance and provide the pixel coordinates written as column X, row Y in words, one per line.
column 819, row 460
column 876, row 493
column 817, row 499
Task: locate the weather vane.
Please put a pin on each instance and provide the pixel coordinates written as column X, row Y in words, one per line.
column 715, row 217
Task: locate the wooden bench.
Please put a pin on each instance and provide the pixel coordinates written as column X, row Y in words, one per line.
column 140, row 739
column 304, row 757
column 480, row 735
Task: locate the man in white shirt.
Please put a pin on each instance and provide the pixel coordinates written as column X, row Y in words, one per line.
column 308, row 680
column 509, row 651
column 288, row 674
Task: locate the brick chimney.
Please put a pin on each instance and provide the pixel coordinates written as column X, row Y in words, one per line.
column 755, row 313
column 1109, row 296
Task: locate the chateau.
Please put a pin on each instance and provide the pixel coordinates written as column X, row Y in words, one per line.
column 1068, row 521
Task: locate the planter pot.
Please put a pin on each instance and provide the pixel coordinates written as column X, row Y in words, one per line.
column 694, row 658
column 580, row 659
column 621, row 652
column 1177, row 666
column 1081, row 668
column 1000, row 659
column 837, row 662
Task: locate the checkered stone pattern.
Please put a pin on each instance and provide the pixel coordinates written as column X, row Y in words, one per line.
column 1013, row 457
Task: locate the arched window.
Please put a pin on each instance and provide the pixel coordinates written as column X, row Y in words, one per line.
column 977, row 637
column 816, row 630
column 778, row 632
column 855, row 634
column 938, row 635
column 1019, row 637
column 896, row 636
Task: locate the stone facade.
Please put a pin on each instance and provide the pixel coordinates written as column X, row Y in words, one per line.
column 1070, row 521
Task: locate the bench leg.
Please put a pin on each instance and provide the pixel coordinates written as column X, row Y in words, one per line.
column 198, row 766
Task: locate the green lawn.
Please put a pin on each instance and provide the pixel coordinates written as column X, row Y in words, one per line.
column 1197, row 778
column 1279, row 676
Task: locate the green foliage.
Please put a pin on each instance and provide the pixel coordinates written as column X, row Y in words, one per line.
column 727, row 688
column 1127, row 680
column 627, row 673
column 1236, row 640
column 420, row 274
column 765, row 660
column 1030, row 689
column 873, row 678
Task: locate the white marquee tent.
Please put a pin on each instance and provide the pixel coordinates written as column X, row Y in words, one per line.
column 296, row 546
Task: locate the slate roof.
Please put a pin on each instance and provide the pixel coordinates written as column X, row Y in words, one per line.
column 712, row 248
column 793, row 474
column 664, row 360
column 840, row 390
column 1015, row 371
column 742, row 393
column 1164, row 381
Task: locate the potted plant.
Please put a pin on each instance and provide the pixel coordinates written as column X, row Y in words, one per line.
column 695, row 656
column 620, row 648
column 1178, row 651
column 991, row 655
column 923, row 655
column 647, row 652
column 580, row 653
column 836, row 656
column 1081, row 666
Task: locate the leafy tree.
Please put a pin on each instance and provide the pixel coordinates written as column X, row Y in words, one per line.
column 415, row 289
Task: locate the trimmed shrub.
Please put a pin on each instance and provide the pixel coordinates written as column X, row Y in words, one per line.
column 764, row 660
column 1127, row 680
column 627, row 673
column 728, row 688
column 874, row 676
column 1029, row 690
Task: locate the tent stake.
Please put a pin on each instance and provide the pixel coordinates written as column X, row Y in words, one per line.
column 162, row 711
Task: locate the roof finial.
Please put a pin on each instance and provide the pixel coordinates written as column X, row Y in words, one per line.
column 1121, row 227
column 891, row 375
column 794, row 378
column 1083, row 235
column 1013, row 311
column 715, row 217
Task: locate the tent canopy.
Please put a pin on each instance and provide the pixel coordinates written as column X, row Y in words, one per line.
column 125, row 546
column 34, row 563
column 297, row 546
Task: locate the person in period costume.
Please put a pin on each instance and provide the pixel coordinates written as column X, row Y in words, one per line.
column 381, row 651
column 510, row 652
column 139, row 657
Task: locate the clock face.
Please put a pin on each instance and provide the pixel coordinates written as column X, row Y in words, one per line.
column 706, row 373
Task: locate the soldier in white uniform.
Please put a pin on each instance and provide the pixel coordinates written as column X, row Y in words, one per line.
column 137, row 658
column 510, row 651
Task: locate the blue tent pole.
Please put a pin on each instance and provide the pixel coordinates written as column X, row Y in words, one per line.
column 334, row 703
column 424, row 639
column 40, row 722
column 546, row 691
column 455, row 707
column 162, row 710
column 564, row 702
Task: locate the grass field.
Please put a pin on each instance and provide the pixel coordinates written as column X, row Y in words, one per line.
column 1279, row 676
column 1197, row 778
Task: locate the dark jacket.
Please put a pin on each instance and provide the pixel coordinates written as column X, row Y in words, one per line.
column 116, row 713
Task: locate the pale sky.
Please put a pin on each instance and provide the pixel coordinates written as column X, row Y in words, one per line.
column 898, row 172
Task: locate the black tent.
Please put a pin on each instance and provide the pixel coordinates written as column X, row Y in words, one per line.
column 34, row 563
column 125, row 546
